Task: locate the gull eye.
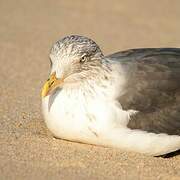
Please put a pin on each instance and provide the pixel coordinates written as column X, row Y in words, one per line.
column 83, row 59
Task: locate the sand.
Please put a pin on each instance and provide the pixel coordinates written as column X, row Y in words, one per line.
column 27, row 31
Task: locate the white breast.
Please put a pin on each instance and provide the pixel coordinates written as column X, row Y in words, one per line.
column 72, row 115
column 99, row 119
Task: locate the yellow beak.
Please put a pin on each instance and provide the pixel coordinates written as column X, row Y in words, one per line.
column 51, row 84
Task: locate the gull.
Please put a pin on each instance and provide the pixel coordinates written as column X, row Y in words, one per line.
column 128, row 100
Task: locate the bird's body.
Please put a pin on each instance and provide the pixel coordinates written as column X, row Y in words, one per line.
column 129, row 100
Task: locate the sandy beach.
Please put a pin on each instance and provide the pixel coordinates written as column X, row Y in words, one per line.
column 27, row 31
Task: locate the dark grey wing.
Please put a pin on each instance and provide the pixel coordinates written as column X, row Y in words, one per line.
column 153, row 88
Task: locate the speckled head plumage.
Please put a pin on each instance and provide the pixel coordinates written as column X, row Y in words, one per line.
column 74, row 54
column 74, row 59
column 76, row 45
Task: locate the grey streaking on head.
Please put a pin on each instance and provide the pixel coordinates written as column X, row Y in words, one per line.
column 115, row 100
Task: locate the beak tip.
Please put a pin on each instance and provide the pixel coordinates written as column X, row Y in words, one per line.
column 50, row 85
column 43, row 94
column 45, row 90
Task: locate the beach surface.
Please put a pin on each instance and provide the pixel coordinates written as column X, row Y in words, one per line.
column 27, row 31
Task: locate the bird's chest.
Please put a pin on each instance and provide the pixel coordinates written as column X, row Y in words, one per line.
column 68, row 115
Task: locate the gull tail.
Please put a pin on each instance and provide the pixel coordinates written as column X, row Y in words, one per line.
column 140, row 141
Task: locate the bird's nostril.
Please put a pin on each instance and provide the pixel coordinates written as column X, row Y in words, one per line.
column 51, row 83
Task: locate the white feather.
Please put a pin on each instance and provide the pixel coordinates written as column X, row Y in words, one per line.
column 71, row 115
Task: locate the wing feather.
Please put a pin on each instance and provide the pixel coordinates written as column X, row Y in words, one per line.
column 152, row 88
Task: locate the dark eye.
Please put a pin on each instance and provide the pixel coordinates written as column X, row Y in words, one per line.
column 83, row 59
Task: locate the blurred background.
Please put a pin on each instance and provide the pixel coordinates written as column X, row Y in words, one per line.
column 115, row 24
column 27, row 31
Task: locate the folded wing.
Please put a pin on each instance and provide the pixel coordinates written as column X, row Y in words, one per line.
column 152, row 88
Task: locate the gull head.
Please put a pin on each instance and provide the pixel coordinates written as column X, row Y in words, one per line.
column 73, row 60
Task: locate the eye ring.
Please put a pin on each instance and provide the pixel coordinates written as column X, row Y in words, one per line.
column 83, row 59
